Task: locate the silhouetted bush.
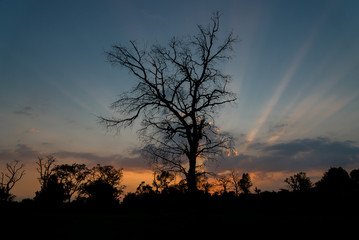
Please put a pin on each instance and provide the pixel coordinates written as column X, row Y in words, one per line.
column 51, row 194
column 335, row 181
column 104, row 186
column 101, row 193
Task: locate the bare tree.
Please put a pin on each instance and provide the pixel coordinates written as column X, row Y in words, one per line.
column 45, row 169
column 223, row 181
column 9, row 178
column 179, row 90
column 235, row 178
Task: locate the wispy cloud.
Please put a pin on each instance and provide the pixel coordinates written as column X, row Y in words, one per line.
column 313, row 111
column 26, row 111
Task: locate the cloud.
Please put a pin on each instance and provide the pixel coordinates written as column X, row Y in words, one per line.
column 310, row 154
column 26, row 154
column 26, row 111
column 296, row 155
column 32, row 130
column 135, row 164
column 22, row 152
column 276, row 131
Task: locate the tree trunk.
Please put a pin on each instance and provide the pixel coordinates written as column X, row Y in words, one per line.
column 191, row 177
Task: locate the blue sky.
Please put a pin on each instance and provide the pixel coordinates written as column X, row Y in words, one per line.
column 295, row 69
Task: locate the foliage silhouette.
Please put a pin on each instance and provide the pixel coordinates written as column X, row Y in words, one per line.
column 149, row 213
column 53, row 193
column 104, row 186
column 144, row 188
column 101, row 193
column 100, row 185
column 335, row 181
column 245, row 183
column 72, row 177
column 162, row 181
column 299, row 182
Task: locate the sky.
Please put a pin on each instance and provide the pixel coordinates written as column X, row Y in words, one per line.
column 295, row 70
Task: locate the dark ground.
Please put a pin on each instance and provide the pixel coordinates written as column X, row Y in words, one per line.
column 224, row 218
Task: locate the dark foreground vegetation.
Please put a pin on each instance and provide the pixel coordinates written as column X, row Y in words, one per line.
column 168, row 215
column 76, row 202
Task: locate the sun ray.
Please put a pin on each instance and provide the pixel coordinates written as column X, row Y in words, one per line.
column 302, row 52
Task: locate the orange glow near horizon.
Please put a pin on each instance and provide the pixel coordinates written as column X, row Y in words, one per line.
column 132, row 179
column 264, row 180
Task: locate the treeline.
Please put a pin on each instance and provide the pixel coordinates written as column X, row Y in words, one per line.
column 337, row 192
column 60, row 182
column 77, row 184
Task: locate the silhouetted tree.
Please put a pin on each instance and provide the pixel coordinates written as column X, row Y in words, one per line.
column 335, row 181
column 354, row 176
column 104, row 186
column 162, row 180
column 144, row 188
column 203, row 184
column 53, row 193
column 45, row 168
column 235, row 178
column 180, row 87
column 299, row 182
column 9, row 178
column 223, row 181
column 257, row 190
column 101, row 193
column 72, row 177
column 245, row 183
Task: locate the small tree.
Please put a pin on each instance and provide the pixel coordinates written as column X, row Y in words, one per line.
column 104, row 186
column 143, row 189
column 335, row 181
column 162, row 180
column 223, row 181
column 53, row 193
column 235, row 178
column 245, row 183
column 203, row 184
column 9, row 178
column 72, row 177
column 45, row 167
column 299, row 182
column 257, row 190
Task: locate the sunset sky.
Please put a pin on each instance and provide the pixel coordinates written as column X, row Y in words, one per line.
column 295, row 70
